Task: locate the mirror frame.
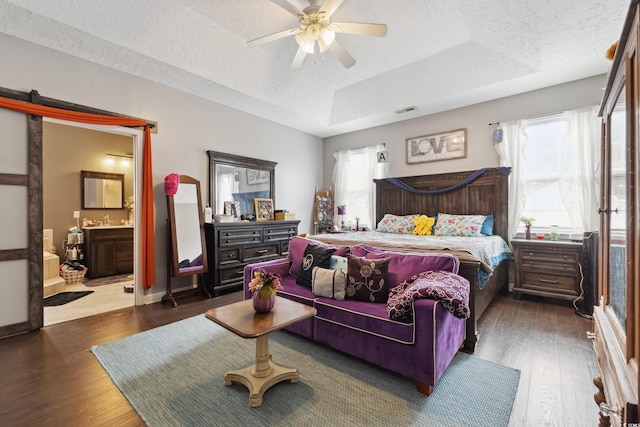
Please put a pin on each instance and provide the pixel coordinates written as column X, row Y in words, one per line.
column 174, row 262
column 218, row 158
column 100, row 175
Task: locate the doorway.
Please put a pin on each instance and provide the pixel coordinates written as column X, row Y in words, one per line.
column 68, row 148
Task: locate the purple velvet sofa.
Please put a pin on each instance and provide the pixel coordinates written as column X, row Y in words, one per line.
column 420, row 350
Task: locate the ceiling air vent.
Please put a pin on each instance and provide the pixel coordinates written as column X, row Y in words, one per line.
column 406, row 109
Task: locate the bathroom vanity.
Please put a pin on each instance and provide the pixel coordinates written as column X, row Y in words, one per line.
column 109, row 250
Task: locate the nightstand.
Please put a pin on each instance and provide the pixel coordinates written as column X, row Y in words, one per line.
column 548, row 268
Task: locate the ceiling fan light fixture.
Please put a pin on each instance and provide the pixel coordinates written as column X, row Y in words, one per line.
column 307, row 44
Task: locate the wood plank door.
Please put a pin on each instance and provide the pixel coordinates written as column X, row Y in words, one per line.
column 21, row 260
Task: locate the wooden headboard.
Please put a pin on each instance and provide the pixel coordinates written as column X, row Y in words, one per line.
column 488, row 194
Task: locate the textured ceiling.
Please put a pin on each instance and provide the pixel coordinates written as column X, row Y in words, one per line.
column 437, row 55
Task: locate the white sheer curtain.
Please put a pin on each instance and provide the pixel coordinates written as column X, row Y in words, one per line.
column 225, row 187
column 353, row 176
column 511, row 151
column 580, row 174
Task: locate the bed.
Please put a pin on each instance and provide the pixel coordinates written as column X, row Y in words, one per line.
column 483, row 260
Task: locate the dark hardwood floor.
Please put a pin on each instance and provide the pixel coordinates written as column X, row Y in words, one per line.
column 49, row 378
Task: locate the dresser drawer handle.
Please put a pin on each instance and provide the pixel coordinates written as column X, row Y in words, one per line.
column 227, row 241
column 553, row 282
column 565, row 256
column 230, row 256
column 565, row 265
column 239, row 271
column 530, row 253
column 255, row 239
column 255, row 232
column 262, row 251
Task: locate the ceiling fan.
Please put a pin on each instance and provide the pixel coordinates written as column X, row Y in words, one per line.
column 316, row 31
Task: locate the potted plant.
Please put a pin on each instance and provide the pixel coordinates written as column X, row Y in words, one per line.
column 264, row 286
column 528, row 222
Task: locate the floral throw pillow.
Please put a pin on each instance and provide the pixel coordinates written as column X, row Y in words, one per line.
column 459, row 225
column 399, row 224
column 367, row 279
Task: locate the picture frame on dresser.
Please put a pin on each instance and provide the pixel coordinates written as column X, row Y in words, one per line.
column 264, row 209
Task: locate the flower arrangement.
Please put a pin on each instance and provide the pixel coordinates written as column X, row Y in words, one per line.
column 265, row 284
column 128, row 204
column 527, row 221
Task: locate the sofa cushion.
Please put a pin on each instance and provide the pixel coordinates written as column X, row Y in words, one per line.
column 314, row 256
column 329, row 283
column 367, row 279
column 403, row 265
column 298, row 244
column 364, row 317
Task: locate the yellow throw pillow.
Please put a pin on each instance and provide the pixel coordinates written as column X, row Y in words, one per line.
column 424, row 224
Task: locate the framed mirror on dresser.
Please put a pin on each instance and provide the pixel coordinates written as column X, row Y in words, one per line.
column 186, row 249
column 617, row 315
column 235, row 183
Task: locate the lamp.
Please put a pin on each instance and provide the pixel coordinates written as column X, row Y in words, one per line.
column 342, row 210
column 111, row 158
column 315, row 29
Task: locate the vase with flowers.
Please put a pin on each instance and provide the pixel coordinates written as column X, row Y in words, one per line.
column 264, row 286
column 528, row 222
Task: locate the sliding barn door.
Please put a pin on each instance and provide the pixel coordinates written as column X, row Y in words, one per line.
column 20, row 223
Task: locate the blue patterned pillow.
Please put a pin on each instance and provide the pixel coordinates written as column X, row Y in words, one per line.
column 459, row 225
column 487, row 226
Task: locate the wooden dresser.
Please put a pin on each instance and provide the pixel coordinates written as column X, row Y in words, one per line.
column 232, row 245
column 548, row 268
column 109, row 251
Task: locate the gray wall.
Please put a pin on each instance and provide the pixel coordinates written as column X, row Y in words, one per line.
column 188, row 126
column 475, row 118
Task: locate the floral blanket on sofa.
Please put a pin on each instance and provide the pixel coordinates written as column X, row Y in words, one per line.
column 450, row 289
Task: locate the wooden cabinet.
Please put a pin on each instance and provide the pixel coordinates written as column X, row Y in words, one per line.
column 109, row 251
column 232, row 245
column 548, row 268
column 616, row 318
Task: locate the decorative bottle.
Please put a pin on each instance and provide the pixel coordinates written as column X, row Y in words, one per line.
column 208, row 214
column 553, row 232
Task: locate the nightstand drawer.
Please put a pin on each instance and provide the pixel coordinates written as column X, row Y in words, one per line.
column 541, row 256
column 569, row 266
column 543, row 282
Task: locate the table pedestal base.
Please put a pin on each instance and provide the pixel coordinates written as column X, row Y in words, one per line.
column 259, row 377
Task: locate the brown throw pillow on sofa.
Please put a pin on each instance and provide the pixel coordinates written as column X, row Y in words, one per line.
column 367, row 279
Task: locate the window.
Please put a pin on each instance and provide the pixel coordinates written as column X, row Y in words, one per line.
column 542, row 173
column 555, row 162
column 353, row 177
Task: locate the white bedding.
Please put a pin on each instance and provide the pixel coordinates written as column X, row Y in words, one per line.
column 489, row 250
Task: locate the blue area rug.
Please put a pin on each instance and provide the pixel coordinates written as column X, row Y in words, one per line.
column 173, row 376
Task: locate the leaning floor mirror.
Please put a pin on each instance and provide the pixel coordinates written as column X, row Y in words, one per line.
column 186, row 247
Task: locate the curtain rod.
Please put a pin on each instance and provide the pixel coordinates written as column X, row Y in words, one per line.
column 540, row 116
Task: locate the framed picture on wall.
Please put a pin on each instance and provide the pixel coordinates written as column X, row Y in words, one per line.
column 437, row 146
column 264, row 209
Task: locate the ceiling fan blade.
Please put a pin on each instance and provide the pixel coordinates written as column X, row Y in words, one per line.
column 377, row 30
column 342, row 55
column 286, row 5
column 297, row 60
column 272, row 37
column 329, row 6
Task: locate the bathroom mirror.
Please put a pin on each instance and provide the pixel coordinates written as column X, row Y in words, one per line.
column 101, row 190
column 186, row 247
column 239, row 180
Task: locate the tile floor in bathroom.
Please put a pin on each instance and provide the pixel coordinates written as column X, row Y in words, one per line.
column 105, row 298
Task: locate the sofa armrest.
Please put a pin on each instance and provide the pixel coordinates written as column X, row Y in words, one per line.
column 277, row 266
